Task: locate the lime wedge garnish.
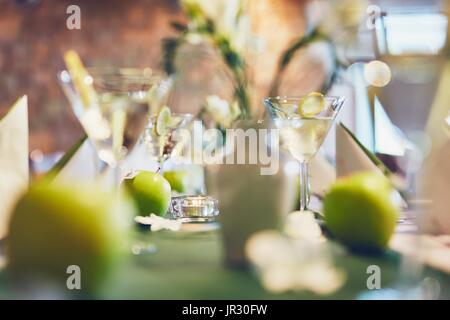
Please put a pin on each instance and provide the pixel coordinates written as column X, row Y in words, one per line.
column 163, row 120
column 311, row 105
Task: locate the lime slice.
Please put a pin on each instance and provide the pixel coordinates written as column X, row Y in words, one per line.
column 163, row 120
column 311, row 105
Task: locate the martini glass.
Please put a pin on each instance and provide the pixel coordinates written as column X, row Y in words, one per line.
column 163, row 146
column 302, row 136
column 117, row 112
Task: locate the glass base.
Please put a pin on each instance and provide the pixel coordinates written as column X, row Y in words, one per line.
column 197, row 219
column 204, row 226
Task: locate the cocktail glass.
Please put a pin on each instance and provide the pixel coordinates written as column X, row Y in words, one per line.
column 302, row 136
column 170, row 143
column 115, row 112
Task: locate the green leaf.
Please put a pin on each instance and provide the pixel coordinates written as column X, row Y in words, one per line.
column 297, row 45
column 199, row 23
column 178, row 26
column 169, row 48
column 193, row 10
column 51, row 174
column 310, row 37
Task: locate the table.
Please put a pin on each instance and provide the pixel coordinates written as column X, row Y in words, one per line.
column 189, row 265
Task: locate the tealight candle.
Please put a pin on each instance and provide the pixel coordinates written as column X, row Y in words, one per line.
column 194, row 208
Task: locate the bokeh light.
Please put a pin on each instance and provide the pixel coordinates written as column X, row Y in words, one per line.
column 377, row 73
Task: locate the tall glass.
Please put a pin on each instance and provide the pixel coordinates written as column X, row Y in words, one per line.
column 116, row 113
column 302, row 136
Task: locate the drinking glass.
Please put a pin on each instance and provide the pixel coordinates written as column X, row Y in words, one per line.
column 302, row 136
column 162, row 147
column 117, row 110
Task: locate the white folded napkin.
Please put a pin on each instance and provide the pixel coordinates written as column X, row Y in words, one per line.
column 82, row 165
column 322, row 173
column 436, row 186
column 14, row 172
column 436, row 175
column 350, row 157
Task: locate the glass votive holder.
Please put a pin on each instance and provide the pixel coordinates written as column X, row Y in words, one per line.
column 194, row 208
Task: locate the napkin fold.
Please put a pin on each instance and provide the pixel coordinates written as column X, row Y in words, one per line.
column 350, row 155
column 14, row 171
column 80, row 163
column 436, row 186
column 436, row 174
column 438, row 121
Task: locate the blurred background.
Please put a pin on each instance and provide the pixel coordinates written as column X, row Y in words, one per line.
column 33, row 37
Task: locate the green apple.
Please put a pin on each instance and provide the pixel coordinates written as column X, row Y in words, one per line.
column 54, row 226
column 151, row 192
column 179, row 180
column 360, row 212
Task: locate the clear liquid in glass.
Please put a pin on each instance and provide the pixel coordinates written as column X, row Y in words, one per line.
column 302, row 137
column 115, row 125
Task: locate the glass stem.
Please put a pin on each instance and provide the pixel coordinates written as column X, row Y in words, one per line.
column 116, row 177
column 304, row 186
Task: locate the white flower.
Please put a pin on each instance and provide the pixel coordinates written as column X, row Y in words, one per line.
column 285, row 264
column 227, row 18
column 224, row 13
column 338, row 19
column 221, row 111
column 158, row 223
column 303, row 225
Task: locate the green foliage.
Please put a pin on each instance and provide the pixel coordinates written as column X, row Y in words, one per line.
column 169, row 47
column 201, row 25
column 302, row 42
